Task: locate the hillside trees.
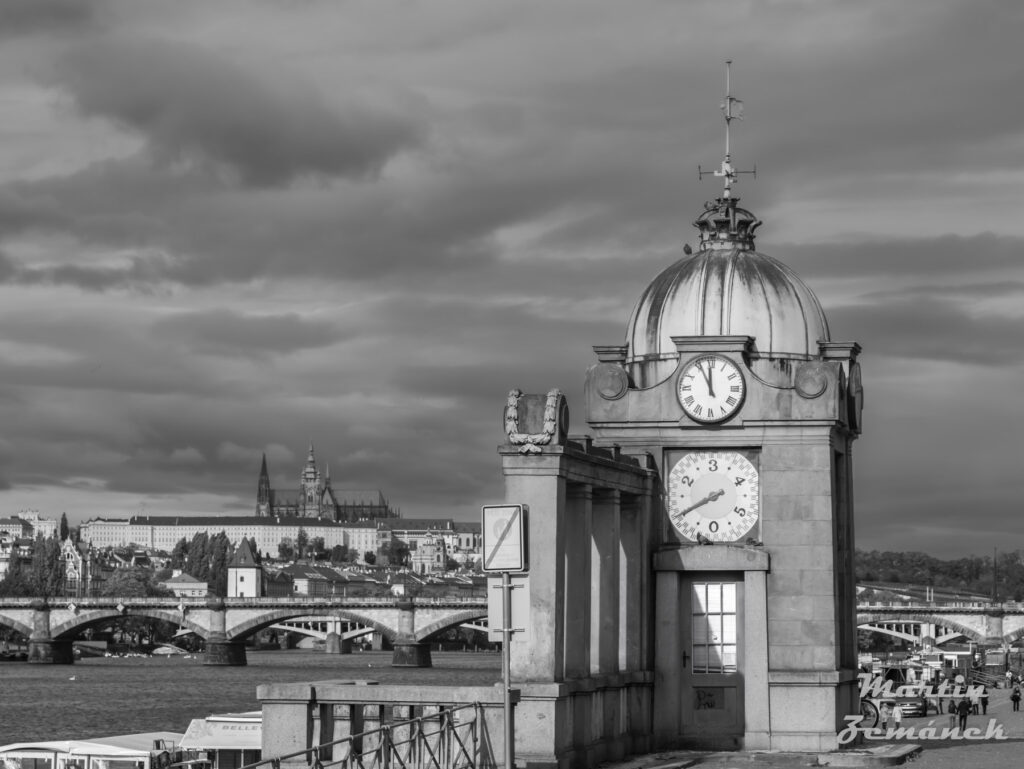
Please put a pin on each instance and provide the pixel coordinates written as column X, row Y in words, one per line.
column 42, row 577
column 206, row 558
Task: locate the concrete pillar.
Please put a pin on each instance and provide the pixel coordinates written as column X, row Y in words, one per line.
column 409, row 653
column 667, row 672
column 604, row 582
column 757, row 729
column 576, row 564
column 332, row 645
column 538, row 653
column 220, row 650
column 631, row 599
column 42, row 648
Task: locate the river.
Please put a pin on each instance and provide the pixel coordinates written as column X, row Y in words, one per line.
column 102, row 696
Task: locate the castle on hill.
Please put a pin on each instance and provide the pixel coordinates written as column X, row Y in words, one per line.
column 316, row 498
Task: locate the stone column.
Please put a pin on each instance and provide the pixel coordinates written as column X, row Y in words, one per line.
column 220, row 650
column 538, row 653
column 604, row 583
column 630, row 586
column 409, row 653
column 578, row 652
column 42, row 648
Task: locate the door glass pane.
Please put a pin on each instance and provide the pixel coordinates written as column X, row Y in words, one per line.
column 729, row 598
column 700, row 600
column 713, row 624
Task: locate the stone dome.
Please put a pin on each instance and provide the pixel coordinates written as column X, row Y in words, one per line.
column 726, row 288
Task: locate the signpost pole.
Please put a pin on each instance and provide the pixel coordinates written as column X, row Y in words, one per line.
column 506, row 662
column 505, row 548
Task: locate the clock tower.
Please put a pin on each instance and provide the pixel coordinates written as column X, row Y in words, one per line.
column 729, row 381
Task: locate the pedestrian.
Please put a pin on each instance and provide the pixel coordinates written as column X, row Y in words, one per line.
column 962, row 711
column 974, row 701
column 1009, row 678
column 984, row 700
column 897, row 716
column 1015, row 698
column 952, row 712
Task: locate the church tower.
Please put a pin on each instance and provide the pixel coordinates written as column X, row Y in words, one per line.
column 311, row 487
column 729, row 381
column 264, row 494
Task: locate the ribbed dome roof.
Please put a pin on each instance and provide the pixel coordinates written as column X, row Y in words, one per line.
column 727, row 289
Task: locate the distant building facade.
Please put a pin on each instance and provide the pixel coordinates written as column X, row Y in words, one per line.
column 164, row 532
column 185, row 585
column 245, row 575
column 460, row 539
column 316, row 498
column 83, row 575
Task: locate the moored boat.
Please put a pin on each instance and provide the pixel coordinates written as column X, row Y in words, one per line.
column 148, row 750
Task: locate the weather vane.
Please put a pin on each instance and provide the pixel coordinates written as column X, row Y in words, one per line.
column 732, row 108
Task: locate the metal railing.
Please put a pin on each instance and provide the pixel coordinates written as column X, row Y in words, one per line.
column 447, row 739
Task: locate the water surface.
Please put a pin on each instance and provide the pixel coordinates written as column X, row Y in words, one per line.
column 103, row 696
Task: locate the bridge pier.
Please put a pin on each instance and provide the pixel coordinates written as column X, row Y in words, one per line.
column 42, row 648
column 332, row 644
column 220, row 650
column 409, row 653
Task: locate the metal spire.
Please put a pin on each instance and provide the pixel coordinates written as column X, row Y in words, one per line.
column 732, row 109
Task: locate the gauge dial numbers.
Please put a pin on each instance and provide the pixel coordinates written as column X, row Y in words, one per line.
column 714, row 495
column 710, row 389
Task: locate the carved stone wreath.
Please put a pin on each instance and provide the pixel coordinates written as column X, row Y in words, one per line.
column 530, row 443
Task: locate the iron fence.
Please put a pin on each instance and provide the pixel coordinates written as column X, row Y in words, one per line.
column 448, row 739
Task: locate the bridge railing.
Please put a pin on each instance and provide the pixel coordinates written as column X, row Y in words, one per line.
column 448, row 739
column 865, row 605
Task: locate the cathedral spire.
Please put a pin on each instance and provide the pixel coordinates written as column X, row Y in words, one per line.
column 263, row 490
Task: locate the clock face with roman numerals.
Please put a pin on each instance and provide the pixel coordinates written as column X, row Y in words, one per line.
column 713, row 494
column 710, row 388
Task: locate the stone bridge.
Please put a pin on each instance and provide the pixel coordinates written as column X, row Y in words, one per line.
column 931, row 623
column 224, row 623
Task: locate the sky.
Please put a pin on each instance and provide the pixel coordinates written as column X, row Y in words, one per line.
column 235, row 228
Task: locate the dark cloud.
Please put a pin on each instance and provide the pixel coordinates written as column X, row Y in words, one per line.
column 927, row 327
column 231, row 333
column 26, row 17
column 194, row 106
column 924, row 258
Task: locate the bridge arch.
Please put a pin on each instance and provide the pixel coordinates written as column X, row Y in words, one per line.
column 265, row 620
column 68, row 629
column 453, row 620
column 13, row 624
column 869, row 618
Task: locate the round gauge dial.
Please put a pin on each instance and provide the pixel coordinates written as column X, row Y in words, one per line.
column 710, row 388
column 715, row 495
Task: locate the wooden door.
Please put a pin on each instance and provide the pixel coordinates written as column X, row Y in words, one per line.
column 712, row 677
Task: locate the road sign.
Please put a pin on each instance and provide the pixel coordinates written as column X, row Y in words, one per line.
column 504, row 537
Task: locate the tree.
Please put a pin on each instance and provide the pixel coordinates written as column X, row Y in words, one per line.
column 63, row 526
column 285, row 549
column 339, row 554
column 198, row 562
column 179, row 555
column 42, row 577
column 220, row 556
column 301, row 543
column 133, row 583
column 317, row 549
column 370, row 557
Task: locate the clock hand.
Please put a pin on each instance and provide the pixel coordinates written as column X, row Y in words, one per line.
column 709, row 498
column 707, row 378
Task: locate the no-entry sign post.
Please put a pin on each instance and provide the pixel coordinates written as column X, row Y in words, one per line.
column 505, row 550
